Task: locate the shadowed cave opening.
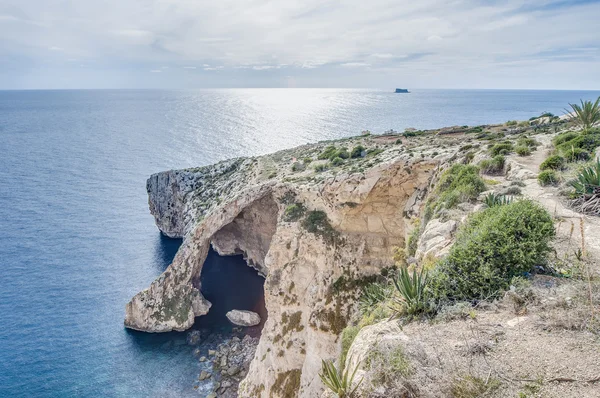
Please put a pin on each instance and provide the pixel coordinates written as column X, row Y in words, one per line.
column 229, row 283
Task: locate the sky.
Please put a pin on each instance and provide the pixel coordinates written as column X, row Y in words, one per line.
column 528, row 44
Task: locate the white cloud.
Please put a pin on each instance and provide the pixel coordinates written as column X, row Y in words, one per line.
column 367, row 42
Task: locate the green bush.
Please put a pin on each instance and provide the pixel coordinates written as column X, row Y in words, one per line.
column 327, row 152
column 577, row 155
column 320, row 167
column 336, row 161
column 588, row 142
column 501, row 149
column 357, row 151
column 523, row 150
column 529, row 142
column 553, row 162
column 548, row 177
column 317, row 223
column 460, row 183
column 564, row 137
column 493, row 246
column 494, row 165
column 512, row 123
column 294, row 212
column 341, row 153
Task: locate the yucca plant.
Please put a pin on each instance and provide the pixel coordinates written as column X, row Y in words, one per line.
column 492, row 199
column 373, row 294
column 411, row 289
column 585, row 115
column 340, row 383
column 588, row 180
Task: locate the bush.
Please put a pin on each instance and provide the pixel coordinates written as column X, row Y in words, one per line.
column 588, row 142
column 512, row 123
column 336, row 161
column 529, row 142
column 522, row 150
column 548, row 177
column 494, row 165
column 317, row 223
column 577, row 155
column 460, row 183
column 492, row 247
column 564, row 137
column 320, row 167
column 554, row 162
column 327, row 152
column 294, row 212
column 357, row 151
column 501, row 149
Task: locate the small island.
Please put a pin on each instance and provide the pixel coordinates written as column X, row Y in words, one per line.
column 402, row 91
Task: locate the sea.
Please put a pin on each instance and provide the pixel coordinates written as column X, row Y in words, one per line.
column 77, row 240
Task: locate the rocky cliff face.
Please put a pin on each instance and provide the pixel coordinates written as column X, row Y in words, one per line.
column 316, row 236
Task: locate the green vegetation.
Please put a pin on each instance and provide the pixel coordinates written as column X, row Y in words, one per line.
column 387, row 364
column 316, row 222
column 577, row 155
column 294, row 212
column 493, row 199
column 459, row 183
column 336, row 161
column 585, row 115
column 523, row 150
column 340, row 383
column 493, row 246
column 348, row 336
column 494, row 166
column 411, row 290
column 588, row 180
column 357, row 151
column 328, row 152
column 553, row 162
column 503, row 148
column 373, row 294
column 512, row 123
column 320, row 167
column 548, row 177
column 528, row 142
column 571, row 144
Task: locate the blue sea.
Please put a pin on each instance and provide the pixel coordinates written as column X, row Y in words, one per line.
column 76, row 237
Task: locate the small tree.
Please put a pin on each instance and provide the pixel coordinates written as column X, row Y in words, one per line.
column 585, row 115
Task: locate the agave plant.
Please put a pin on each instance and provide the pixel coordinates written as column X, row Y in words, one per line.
column 492, row 199
column 588, row 180
column 585, row 115
column 412, row 290
column 340, row 383
column 373, row 294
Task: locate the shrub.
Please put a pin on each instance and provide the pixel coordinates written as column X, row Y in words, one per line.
column 341, row 153
column 512, row 123
column 588, row 180
column 374, row 151
column 336, row 161
column 494, row 165
column 411, row 290
column 348, row 336
column 501, row 149
column 320, row 167
column 307, row 160
column 294, row 212
column 459, row 183
column 577, row 154
column 588, row 142
column 340, row 383
column 564, row 137
column 357, row 151
column 553, row 162
column 529, row 142
column 522, row 150
column 548, row 177
column 317, row 223
column 373, row 294
column 492, row 247
column 327, row 152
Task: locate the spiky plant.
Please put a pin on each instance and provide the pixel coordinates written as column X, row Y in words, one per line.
column 340, row 383
column 373, row 294
column 411, row 289
column 492, row 199
column 585, row 115
column 588, row 180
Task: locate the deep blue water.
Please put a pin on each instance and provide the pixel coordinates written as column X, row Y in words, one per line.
column 77, row 238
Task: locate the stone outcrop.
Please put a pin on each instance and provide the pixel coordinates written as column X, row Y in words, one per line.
column 243, row 318
column 350, row 220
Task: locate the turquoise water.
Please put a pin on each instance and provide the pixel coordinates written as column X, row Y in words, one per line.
column 78, row 240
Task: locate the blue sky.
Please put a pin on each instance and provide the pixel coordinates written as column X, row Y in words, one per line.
column 545, row 44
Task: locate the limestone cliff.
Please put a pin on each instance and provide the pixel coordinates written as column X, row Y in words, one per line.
column 315, row 235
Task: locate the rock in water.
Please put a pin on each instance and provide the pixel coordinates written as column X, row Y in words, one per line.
column 243, row 318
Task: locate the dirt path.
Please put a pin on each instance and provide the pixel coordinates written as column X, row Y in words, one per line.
column 569, row 222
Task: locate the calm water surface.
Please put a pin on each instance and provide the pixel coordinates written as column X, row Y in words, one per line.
column 78, row 241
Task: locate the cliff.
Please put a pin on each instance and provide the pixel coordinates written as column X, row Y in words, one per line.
column 319, row 222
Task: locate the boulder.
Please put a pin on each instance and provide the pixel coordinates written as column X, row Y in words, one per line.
column 243, row 318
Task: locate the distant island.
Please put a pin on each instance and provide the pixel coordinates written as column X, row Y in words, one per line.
column 402, row 90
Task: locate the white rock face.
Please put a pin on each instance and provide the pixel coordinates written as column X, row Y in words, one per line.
column 243, row 318
column 437, row 238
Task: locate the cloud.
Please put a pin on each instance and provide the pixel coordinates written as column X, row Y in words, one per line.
column 317, row 42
